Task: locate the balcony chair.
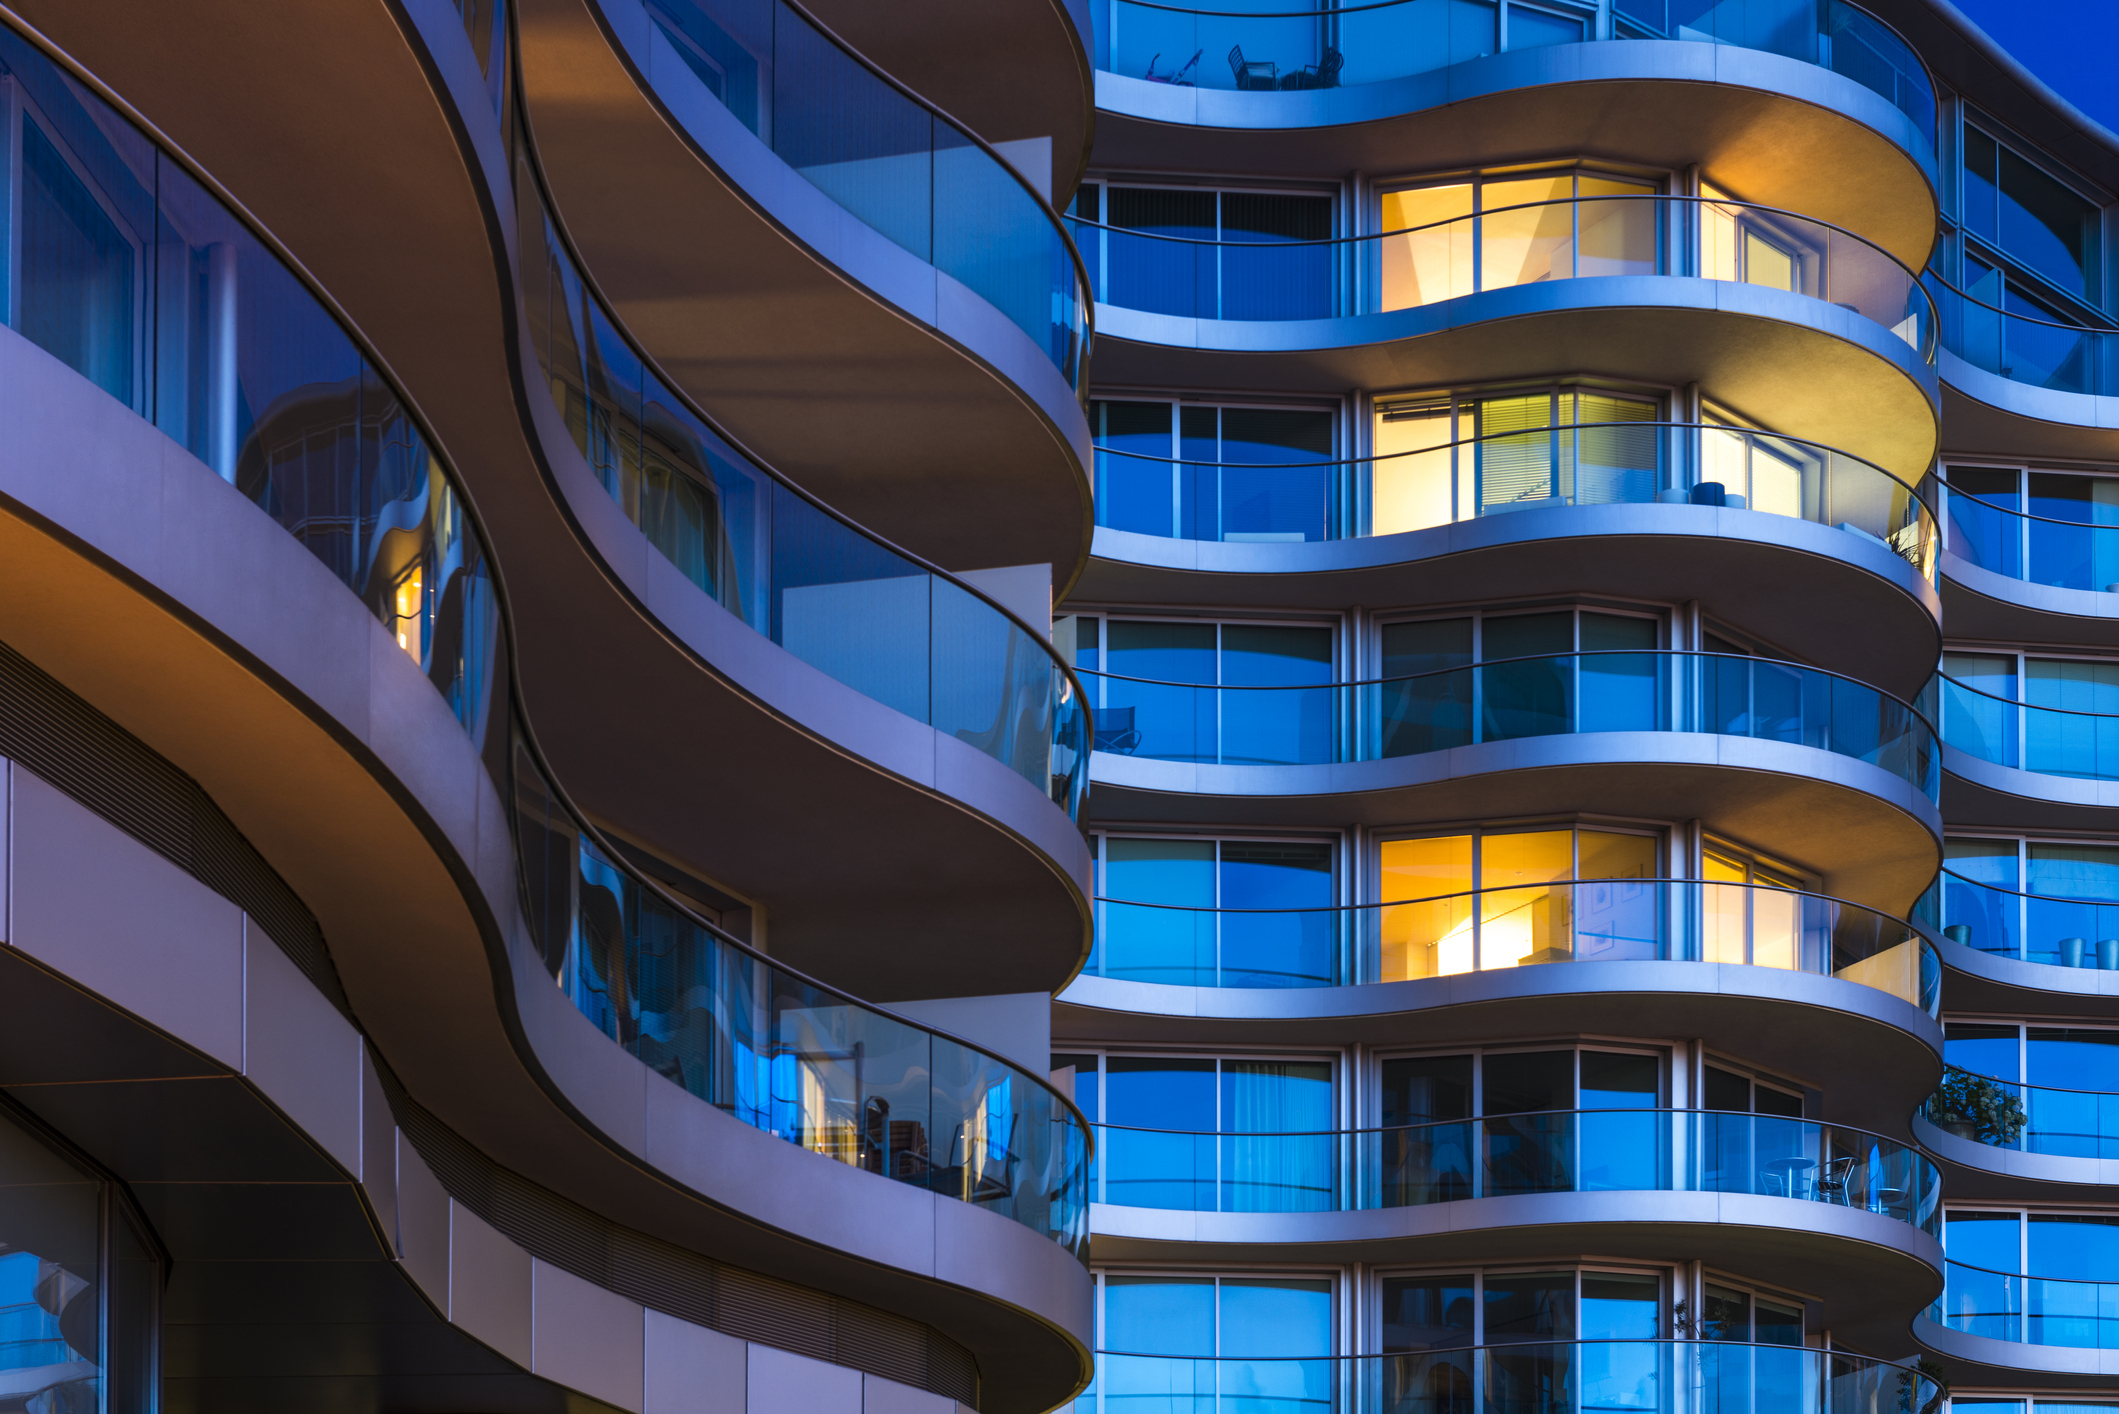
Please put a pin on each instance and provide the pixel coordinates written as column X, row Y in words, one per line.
column 1832, row 1183
column 1115, row 731
column 1255, row 77
column 1324, row 75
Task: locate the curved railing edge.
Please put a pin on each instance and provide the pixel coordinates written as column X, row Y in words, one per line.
column 1058, row 221
column 676, row 390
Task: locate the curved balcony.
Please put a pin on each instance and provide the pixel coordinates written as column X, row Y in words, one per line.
column 2012, row 953
column 784, row 1053
column 1039, row 108
column 1639, row 1376
column 203, row 468
column 859, row 258
column 1788, row 757
column 1513, row 1155
column 2015, row 379
column 1524, row 513
column 894, row 628
column 2003, row 1309
column 1803, row 983
column 2066, row 1142
column 1333, row 87
column 917, row 703
column 2013, row 576
column 2020, row 763
column 1727, row 1187
column 1770, row 308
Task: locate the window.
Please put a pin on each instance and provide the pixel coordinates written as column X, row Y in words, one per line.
column 2072, row 543
column 1206, row 1134
column 1727, row 1313
column 1506, row 1122
column 1203, row 254
column 1228, row 1342
column 2050, row 901
column 1536, row 685
column 2066, row 1077
column 2017, row 208
column 1216, row 913
column 1450, row 238
column 1757, row 919
column 1249, row 474
column 1440, row 458
column 1140, row 671
column 1491, row 899
column 1732, row 1091
column 1529, row 1322
column 2063, row 722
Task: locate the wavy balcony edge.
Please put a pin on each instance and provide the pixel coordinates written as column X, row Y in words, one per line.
column 647, row 188
column 1759, row 347
column 1682, row 104
column 413, row 774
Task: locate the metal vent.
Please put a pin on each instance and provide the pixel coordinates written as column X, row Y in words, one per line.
column 93, row 760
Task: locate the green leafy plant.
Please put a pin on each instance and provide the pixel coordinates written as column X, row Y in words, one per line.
column 1990, row 1108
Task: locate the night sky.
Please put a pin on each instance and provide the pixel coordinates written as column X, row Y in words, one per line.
column 2071, row 44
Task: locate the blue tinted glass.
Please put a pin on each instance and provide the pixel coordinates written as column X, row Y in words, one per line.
column 1262, row 1317
column 1173, row 722
column 1085, row 1080
column 1266, row 494
column 1621, row 1306
column 1984, row 861
column 1982, row 191
column 1989, row 1240
column 1283, row 949
column 1135, row 486
column 1172, row 944
column 1154, row 1092
column 1159, row 1315
column 2073, row 1246
column 1528, row 28
column 1983, row 1050
column 2083, row 871
column 2045, row 225
column 2074, row 1059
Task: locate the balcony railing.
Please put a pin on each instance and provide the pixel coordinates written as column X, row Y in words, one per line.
column 890, row 158
column 784, row 1053
column 1511, row 700
column 1577, row 464
column 893, row 627
column 2059, row 932
column 1554, row 1151
column 1329, row 45
column 2052, row 741
column 2023, row 347
column 1485, row 930
column 1531, row 1375
column 2072, row 1124
column 1269, row 279
column 2029, row 1310
column 145, row 283
column 2067, row 554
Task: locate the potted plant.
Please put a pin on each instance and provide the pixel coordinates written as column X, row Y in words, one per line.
column 1977, row 1108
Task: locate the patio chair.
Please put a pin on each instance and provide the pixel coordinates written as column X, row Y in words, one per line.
column 1175, row 76
column 1324, row 75
column 1832, row 1183
column 1115, row 731
column 1261, row 75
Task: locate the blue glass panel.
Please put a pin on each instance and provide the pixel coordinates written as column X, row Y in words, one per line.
column 1174, row 723
column 1277, row 949
column 1290, row 1167
column 1281, row 727
column 1167, row 944
column 1159, row 1315
column 1981, row 530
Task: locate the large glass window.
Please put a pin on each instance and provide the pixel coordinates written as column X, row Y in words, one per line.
column 2051, row 901
column 2065, row 1077
column 79, row 1288
column 2057, row 716
column 1482, row 233
column 1208, row 1134
column 1535, row 686
column 1198, row 1343
column 1526, row 910
column 1521, row 1122
column 2073, row 543
column 1441, row 458
column 1235, row 473
column 1142, row 667
column 2018, row 208
column 1530, row 1323
column 1206, row 254
column 1216, row 913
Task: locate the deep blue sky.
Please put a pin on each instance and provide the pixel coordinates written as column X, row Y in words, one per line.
column 2071, row 44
